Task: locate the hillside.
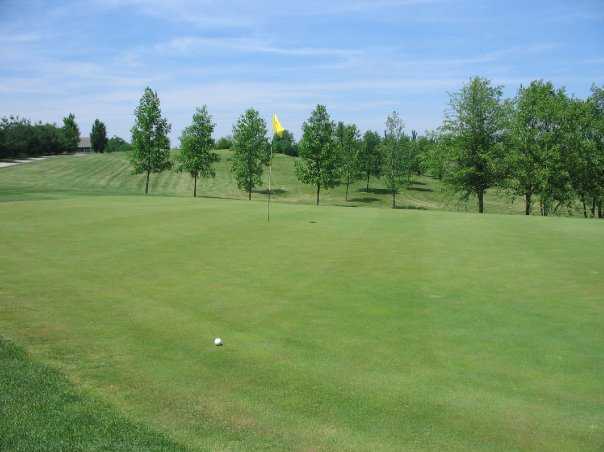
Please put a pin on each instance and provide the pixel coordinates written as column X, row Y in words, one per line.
column 110, row 174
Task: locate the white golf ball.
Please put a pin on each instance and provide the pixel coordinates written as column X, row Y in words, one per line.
column 217, row 341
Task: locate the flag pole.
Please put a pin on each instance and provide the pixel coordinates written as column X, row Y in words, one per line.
column 270, row 167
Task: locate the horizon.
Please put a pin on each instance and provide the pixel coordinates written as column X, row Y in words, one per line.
column 360, row 59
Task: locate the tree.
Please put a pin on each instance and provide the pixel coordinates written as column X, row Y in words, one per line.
column 537, row 161
column 414, row 154
column 370, row 158
column 98, row 136
column 476, row 124
column 319, row 163
column 117, row 144
column 20, row 138
column 196, row 156
column 348, row 141
column 394, row 147
column 582, row 146
column 251, row 150
column 71, row 133
column 151, row 145
column 596, row 101
column 224, row 143
column 285, row 144
column 434, row 154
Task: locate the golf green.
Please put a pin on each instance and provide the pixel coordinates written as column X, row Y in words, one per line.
column 365, row 329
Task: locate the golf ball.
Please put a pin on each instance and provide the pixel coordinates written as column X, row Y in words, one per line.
column 217, row 341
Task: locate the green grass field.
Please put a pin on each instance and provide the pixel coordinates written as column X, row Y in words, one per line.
column 110, row 174
column 344, row 329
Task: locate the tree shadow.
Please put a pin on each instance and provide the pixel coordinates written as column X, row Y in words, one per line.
column 375, row 191
column 419, row 189
column 364, row 199
column 274, row 191
column 410, row 207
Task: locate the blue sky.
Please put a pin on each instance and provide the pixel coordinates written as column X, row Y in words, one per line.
column 362, row 59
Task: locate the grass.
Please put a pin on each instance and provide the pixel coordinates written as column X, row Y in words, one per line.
column 42, row 411
column 364, row 329
column 110, row 174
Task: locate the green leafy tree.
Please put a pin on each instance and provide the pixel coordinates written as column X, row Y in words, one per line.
column 476, row 125
column 117, row 144
column 537, row 161
column 285, row 144
column 348, row 141
column 394, row 149
column 583, row 151
column 98, row 136
column 151, row 145
column 251, row 150
column 197, row 156
column 319, row 163
column 225, row 143
column 20, row 138
column 419, row 143
column 71, row 133
column 596, row 100
column 438, row 159
column 370, row 157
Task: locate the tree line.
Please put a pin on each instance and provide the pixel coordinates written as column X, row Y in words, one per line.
column 19, row 137
column 542, row 145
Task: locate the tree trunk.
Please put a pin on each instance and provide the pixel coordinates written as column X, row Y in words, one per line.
column 584, row 207
column 394, row 199
column 593, row 208
column 147, row 183
column 195, row 186
column 368, row 174
column 318, row 190
column 249, row 195
column 527, row 197
column 347, row 187
column 600, row 211
column 480, row 201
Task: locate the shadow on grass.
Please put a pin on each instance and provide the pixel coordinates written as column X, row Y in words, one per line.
column 274, row 191
column 375, row 191
column 419, row 189
column 364, row 199
column 410, row 207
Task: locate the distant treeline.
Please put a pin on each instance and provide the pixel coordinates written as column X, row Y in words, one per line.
column 19, row 137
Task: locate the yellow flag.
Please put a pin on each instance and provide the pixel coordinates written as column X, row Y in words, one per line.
column 277, row 127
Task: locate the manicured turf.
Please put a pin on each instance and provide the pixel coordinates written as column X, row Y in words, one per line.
column 110, row 174
column 366, row 329
column 41, row 411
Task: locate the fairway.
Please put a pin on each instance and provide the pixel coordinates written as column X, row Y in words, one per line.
column 365, row 329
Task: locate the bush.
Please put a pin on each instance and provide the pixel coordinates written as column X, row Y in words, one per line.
column 20, row 138
column 224, row 143
column 117, row 144
column 285, row 144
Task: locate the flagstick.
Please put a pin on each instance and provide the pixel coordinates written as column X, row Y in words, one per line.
column 270, row 167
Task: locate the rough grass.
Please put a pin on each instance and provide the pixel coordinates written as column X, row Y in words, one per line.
column 364, row 329
column 110, row 174
column 40, row 410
